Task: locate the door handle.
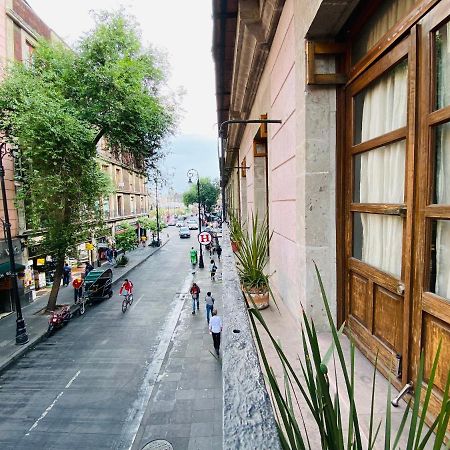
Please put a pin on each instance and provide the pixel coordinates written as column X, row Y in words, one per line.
column 400, row 289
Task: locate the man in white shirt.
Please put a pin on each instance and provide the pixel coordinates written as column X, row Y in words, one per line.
column 215, row 328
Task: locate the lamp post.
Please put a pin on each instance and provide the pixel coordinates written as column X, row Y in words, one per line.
column 190, row 174
column 157, row 213
column 21, row 330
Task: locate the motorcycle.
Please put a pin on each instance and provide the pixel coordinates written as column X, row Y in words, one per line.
column 58, row 319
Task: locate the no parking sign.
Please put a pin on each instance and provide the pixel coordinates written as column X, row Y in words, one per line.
column 204, row 238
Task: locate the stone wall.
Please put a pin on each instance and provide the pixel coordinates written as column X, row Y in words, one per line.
column 248, row 420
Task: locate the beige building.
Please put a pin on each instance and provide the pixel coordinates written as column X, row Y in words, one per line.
column 357, row 175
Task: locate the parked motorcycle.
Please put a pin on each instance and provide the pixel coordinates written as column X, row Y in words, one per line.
column 58, row 319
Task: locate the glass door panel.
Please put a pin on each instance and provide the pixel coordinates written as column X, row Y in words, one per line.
column 377, row 240
column 440, row 258
column 379, row 174
column 381, row 107
column 442, row 63
column 441, row 141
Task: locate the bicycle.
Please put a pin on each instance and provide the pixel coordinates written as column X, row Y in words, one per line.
column 128, row 300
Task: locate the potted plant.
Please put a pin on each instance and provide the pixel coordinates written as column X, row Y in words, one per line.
column 252, row 259
column 235, row 231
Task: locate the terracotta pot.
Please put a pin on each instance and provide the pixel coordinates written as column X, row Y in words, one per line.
column 234, row 246
column 261, row 299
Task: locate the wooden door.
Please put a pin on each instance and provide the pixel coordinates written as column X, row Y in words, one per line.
column 379, row 157
column 431, row 313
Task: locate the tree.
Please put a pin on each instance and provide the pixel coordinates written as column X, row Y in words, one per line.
column 209, row 194
column 126, row 240
column 55, row 109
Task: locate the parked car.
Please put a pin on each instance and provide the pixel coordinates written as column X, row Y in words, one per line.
column 172, row 222
column 184, row 232
column 179, row 224
column 192, row 225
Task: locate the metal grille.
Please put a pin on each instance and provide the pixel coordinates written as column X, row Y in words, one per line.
column 158, row 444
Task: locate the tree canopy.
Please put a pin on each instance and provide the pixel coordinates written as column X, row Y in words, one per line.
column 55, row 108
column 209, row 194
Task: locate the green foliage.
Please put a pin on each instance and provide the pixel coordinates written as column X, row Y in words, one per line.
column 122, row 261
column 126, row 240
column 56, row 108
column 236, row 228
column 337, row 432
column 209, row 194
column 252, row 254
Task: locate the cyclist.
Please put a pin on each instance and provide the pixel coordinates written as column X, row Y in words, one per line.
column 127, row 286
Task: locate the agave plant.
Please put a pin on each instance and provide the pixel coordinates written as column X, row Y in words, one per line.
column 236, row 228
column 253, row 255
column 325, row 406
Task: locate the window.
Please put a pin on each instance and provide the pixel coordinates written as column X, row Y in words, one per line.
column 119, row 206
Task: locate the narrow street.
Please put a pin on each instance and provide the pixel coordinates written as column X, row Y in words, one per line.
column 88, row 385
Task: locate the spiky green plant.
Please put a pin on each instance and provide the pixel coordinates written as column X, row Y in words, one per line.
column 252, row 255
column 236, row 228
column 325, row 406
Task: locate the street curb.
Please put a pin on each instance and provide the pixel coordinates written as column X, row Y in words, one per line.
column 33, row 342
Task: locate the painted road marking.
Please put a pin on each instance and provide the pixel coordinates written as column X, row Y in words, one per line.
column 137, row 410
column 138, row 300
column 49, row 408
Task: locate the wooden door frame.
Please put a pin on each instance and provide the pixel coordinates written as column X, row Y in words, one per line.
column 404, row 49
column 425, row 302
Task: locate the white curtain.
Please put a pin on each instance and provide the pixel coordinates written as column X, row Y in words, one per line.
column 382, row 173
column 443, row 167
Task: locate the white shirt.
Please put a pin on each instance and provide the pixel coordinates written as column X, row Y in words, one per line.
column 215, row 324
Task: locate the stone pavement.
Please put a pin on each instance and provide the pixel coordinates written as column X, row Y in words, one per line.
column 37, row 323
column 186, row 404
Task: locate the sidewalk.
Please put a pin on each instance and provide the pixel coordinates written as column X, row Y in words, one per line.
column 37, row 323
column 186, row 403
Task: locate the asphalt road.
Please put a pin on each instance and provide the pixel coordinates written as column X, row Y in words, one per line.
column 87, row 386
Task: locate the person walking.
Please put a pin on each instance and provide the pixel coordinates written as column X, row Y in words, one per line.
column 88, row 267
column 66, row 274
column 209, row 305
column 193, row 255
column 219, row 251
column 215, row 328
column 77, row 284
column 195, row 292
column 212, row 270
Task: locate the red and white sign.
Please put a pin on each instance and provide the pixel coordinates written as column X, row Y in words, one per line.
column 204, row 238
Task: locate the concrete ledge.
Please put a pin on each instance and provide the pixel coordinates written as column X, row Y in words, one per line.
column 248, row 419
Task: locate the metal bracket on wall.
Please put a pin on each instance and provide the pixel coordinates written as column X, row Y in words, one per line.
column 321, row 49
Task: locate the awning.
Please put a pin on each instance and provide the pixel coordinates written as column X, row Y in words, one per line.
column 5, row 268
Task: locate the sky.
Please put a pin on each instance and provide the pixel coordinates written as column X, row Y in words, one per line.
column 183, row 30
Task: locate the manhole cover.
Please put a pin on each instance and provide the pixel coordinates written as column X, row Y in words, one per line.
column 158, row 444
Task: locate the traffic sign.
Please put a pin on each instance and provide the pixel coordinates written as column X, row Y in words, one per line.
column 204, row 238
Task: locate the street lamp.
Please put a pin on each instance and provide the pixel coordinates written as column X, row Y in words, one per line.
column 190, row 174
column 21, row 330
column 157, row 213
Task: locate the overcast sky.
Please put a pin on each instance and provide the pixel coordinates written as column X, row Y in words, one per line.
column 183, row 29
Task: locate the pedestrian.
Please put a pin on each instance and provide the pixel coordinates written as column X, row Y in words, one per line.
column 219, row 251
column 212, row 270
column 77, row 284
column 209, row 305
column 66, row 274
column 88, row 267
column 114, row 254
column 195, row 292
column 109, row 255
column 215, row 328
column 143, row 240
column 193, row 255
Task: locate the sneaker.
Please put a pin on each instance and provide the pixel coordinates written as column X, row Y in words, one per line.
column 193, row 312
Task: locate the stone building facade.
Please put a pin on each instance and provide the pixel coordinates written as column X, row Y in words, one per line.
column 356, row 176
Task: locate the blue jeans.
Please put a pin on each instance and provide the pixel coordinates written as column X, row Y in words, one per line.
column 194, row 301
column 209, row 309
